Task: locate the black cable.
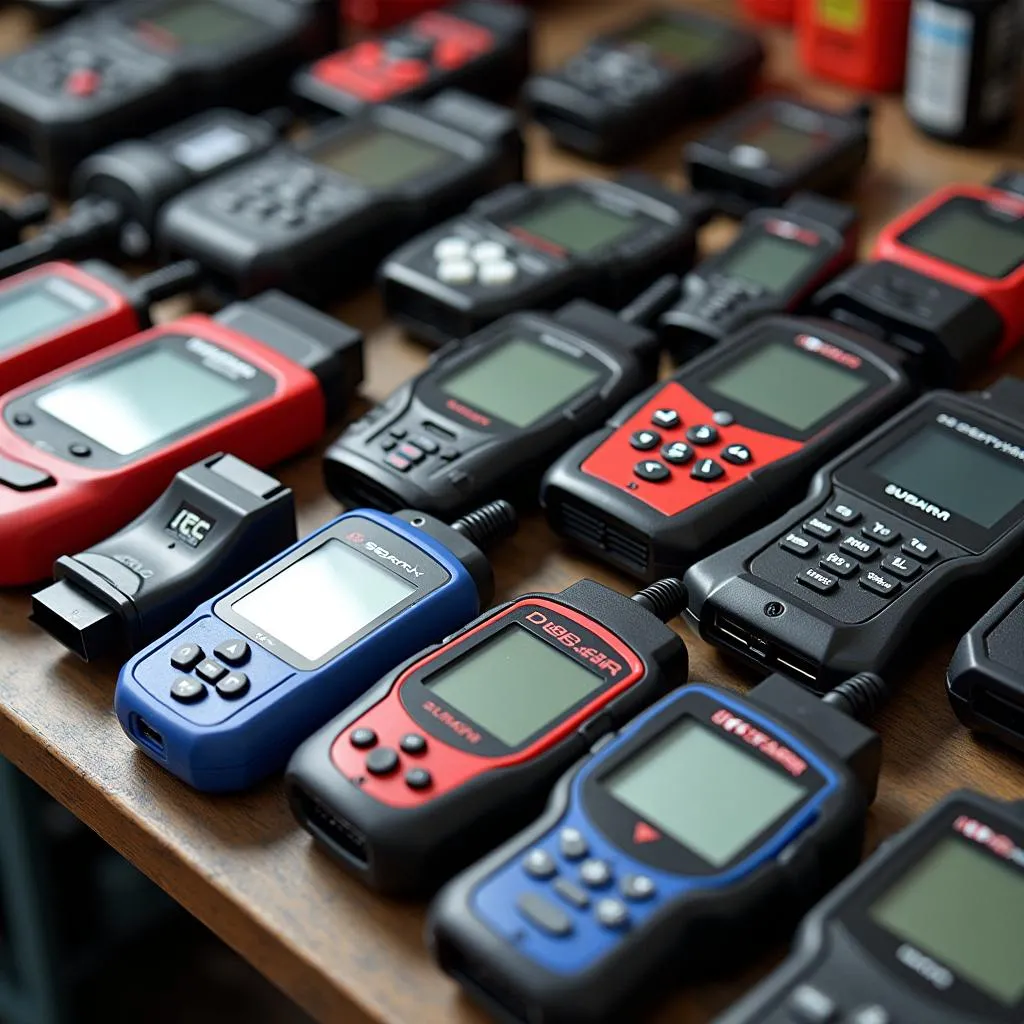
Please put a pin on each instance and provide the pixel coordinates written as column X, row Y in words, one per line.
column 652, row 302
column 91, row 224
column 168, row 281
column 667, row 598
column 34, row 209
column 488, row 524
column 860, row 696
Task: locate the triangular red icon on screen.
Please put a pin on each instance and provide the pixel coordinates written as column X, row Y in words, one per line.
column 643, row 833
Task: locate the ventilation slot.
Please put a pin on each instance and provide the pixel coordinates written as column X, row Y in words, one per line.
column 623, row 546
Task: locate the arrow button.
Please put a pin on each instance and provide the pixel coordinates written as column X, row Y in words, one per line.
column 644, row 833
column 233, row 652
column 651, row 470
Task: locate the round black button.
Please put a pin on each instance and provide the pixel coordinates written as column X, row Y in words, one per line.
column 413, row 743
column 232, row 652
column 187, row 690
column 702, row 434
column 418, row 778
column 23, row 419
column 80, row 451
column 185, row 657
column 737, row 454
column 651, row 470
column 233, row 686
column 666, row 419
column 363, row 739
column 382, row 761
column 645, row 440
column 707, row 470
column 678, row 453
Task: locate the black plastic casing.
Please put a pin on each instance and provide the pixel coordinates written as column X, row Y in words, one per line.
column 763, row 615
column 142, row 175
column 716, row 303
column 218, row 521
column 411, row 852
column 610, row 275
column 636, row 538
column 857, row 966
column 693, row 936
column 45, row 133
column 985, row 681
column 334, row 251
column 720, row 162
column 947, row 334
column 496, row 74
column 606, row 116
column 494, row 459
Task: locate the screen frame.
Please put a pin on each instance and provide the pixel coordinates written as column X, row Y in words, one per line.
column 533, row 330
column 819, row 253
column 880, row 379
column 466, row 154
column 84, row 306
column 271, row 19
column 721, row 38
column 937, row 411
column 56, row 437
column 356, row 533
column 423, row 706
column 982, row 211
column 853, row 911
column 617, row 821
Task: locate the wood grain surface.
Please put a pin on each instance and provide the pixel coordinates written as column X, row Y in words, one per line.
column 243, row 867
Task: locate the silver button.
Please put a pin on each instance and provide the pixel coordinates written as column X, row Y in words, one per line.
column 595, row 873
column 752, row 157
column 637, row 887
column 723, row 418
column 539, row 864
column 611, row 913
column 488, row 252
column 809, row 1005
column 572, row 843
column 498, row 273
column 871, row 1015
column 456, row 272
column 451, row 248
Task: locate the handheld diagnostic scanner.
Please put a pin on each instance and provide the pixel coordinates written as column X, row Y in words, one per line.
column 61, row 311
column 224, row 698
column 480, row 47
column 93, row 81
column 316, row 217
column 985, row 681
column 488, row 415
column 457, row 749
column 705, row 456
column 930, row 928
column 634, row 86
column 778, row 260
column 88, row 448
column 537, row 247
column 700, row 831
column 946, row 282
column 119, row 191
column 777, row 146
column 929, row 505
column 219, row 520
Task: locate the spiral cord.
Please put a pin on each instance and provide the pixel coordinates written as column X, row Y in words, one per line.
column 489, row 524
column 860, row 696
column 667, row 598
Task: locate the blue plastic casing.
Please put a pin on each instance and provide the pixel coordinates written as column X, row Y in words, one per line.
column 220, row 745
column 495, row 899
column 586, row 915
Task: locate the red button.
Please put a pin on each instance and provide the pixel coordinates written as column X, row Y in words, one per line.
column 408, row 72
column 643, row 833
column 83, row 82
column 452, row 53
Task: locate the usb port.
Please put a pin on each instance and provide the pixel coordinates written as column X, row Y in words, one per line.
column 794, row 665
column 734, row 632
column 149, row 736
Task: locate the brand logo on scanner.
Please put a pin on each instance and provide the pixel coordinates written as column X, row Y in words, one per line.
column 380, row 552
column 932, row 972
column 470, row 414
column 467, row 732
column 984, row 835
column 219, row 360
column 914, row 501
column 753, row 736
column 981, row 436
column 822, row 348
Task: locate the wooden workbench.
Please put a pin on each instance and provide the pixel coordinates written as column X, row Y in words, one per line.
column 241, row 864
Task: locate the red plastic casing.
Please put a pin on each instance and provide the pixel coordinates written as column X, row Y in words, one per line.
column 365, row 71
column 115, row 321
column 1005, row 295
column 86, row 505
column 384, row 13
column 781, row 12
column 449, row 767
column 861, row 43
column 613, row 461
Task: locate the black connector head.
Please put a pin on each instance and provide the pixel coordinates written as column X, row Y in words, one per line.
column 79, row 621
